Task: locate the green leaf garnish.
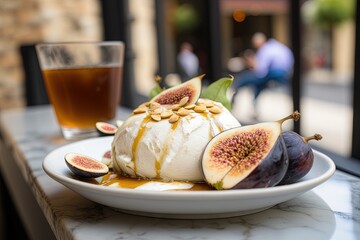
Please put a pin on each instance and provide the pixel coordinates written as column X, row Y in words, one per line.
column 155, row 91
column 217, row 91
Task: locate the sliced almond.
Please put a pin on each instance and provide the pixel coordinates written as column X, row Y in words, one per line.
column 156, row 117
column 191, row 106
column 156, row 111
column 166, row 114
column 140, row 110
column 209, row 104
column 154, row 105
column 176, row 107
column 200, row 108
column 215, row 110
column 174, row 118
column 142, row 106
column 184, row 101
column 183, row 112
column 145, row 104
column 200, row 101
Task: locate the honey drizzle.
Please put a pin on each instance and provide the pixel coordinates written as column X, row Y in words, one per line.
column 211, row 130
column 127, row 182
column 137, row 140
column 220, row 128
column 159, row 162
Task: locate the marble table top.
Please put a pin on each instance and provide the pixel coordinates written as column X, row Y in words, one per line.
column 329, row 211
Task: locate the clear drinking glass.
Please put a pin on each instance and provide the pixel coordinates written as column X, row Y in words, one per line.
column 83, row 82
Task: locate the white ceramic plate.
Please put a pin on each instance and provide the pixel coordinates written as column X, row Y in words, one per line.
column 180, row 204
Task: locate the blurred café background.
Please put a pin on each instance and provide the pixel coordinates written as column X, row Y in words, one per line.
column 219, row 31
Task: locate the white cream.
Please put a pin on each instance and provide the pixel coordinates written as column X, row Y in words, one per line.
column 169, row 151
column 165, row 186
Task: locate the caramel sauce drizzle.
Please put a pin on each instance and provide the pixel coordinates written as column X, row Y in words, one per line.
column 126, row 182
column 220, row 128
column 159, row 162
column 137, row 139
column 212, row 116
column 122, row 182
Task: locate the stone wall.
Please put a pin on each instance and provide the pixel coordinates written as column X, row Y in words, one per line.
column 32, row 21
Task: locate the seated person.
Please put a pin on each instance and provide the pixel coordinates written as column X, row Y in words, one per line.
column 273, row 61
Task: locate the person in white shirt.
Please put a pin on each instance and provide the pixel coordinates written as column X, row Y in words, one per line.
column 188, row 62
column 273, row 62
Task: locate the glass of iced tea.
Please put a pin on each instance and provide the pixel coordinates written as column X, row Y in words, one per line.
column 83, row 82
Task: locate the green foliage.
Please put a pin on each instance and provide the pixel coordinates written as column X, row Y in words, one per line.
column 155, row 91
column 217, row 91
column 186, row 18
column 333, row 12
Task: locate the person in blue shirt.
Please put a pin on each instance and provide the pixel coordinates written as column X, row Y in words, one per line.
column 273, row 61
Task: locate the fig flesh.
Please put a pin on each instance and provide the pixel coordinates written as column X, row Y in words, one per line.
column 84, row 166
column 301, row 156
column 106, row 128
column 252, row 156
column 190, row 89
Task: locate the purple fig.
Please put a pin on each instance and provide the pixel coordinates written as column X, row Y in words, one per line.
column 84, row 166
column 252, row 156
column 301, row 156
column 106, row 128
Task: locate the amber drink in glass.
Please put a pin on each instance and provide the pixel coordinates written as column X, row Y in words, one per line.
column 83, row 82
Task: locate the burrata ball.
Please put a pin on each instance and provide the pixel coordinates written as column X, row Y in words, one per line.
column 160, row 142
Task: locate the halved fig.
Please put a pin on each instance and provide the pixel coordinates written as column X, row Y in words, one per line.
column 252, row 156
column 190, row 89
column 106, row 128
column 85, row 166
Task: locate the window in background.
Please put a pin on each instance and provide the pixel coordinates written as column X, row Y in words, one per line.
column 324, row 61
column 143, row 33
column 326, row 57
column 328, row 43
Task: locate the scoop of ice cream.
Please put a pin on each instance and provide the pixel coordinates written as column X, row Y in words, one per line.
column 147, row 147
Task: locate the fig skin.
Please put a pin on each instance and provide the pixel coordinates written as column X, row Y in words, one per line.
column 252, row 156
column 84, row 166
column 301, row 156
column 173, row 95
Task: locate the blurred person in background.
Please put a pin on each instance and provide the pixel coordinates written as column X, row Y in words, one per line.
column 273, row 61
column 188, row 62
